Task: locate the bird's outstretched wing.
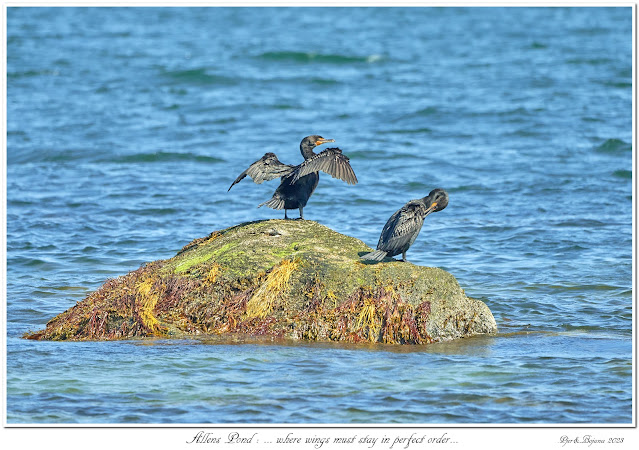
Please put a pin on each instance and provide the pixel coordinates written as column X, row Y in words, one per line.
column 402, row 226
column 264, row 169
column 332, row 161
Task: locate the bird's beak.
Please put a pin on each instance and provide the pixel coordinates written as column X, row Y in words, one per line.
column 324, row 141
column 431, row 208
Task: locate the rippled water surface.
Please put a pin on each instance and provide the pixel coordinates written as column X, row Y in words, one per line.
column 127, row 125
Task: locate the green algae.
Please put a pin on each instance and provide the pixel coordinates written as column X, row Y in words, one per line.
column 185, row 265
column 282, row 278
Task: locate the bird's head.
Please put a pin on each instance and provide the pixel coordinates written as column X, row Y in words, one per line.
column 310, row 142
column 436, row 200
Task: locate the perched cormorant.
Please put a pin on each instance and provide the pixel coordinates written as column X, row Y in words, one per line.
column 402, row 228
column 299, row 182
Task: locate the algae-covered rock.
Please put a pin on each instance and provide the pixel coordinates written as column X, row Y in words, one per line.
column 283, row 278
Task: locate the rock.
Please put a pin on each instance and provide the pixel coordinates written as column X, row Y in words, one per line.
column 282, row 278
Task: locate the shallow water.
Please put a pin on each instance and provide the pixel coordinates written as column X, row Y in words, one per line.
column 127, row 125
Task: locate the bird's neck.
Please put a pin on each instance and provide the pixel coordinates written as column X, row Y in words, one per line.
column 426, row 201
column 307, row 153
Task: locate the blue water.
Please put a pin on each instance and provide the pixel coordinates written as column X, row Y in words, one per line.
column 127, row 125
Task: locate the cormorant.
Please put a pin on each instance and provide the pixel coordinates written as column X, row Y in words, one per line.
column 299, row 182
column 402, row 228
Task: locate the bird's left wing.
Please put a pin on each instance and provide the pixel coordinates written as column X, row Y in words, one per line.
column 266, row 168
column 332, row 161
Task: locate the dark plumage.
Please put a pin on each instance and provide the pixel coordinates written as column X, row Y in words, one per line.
column 402, row 228
column 298, row 182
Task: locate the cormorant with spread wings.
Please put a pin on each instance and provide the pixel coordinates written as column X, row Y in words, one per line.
column 402, row 228
column 298, row 182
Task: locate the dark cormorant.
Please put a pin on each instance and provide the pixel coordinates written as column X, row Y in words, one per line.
column 299, row 182
column 402, row 228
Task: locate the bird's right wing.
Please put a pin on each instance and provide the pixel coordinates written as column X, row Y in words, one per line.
column 266, row 168
column 401, row 227
column 332, row 161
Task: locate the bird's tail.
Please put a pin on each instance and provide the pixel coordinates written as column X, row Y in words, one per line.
column 377, row 255
column 275, row 203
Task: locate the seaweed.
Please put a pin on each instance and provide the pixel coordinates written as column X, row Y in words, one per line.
column 264, row 298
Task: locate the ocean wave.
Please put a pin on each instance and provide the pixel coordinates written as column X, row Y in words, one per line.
column 591, row 119
column 198, row 76
column 33, row 73
column 163, row 157
column 153, row 212
column 614, row 146
column 367, row 154
column 407, row 131
column 624, row 174
column 428, row 111
column 525, row 132
column 590, row 61
column 472, row 188
column 323, row 81
column 538, row 45
column 44, row 155
column 616, row 84
column 580, row 223
column 307, row 57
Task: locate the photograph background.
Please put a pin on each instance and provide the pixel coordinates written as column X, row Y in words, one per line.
column 125, row 127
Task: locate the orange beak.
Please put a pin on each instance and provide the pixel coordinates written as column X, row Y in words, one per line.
column 324, row 141
column 431, row 208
